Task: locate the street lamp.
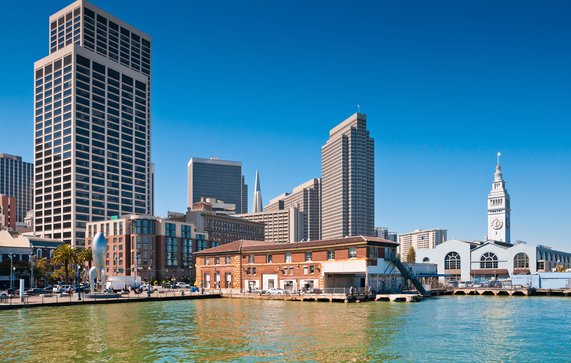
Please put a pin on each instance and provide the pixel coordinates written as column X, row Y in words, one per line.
column 78, row 279
column 32, row 269
column 11, row 256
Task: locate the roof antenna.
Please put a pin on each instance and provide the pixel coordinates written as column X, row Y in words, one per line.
column 358, row 109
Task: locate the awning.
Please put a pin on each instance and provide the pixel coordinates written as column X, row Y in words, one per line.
column 521, row 271
column 490, row 271
column 434, row 275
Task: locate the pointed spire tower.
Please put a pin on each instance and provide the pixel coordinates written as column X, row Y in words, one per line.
column 499, row 208
column 257, row 205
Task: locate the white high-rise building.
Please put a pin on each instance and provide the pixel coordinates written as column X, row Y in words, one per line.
column 348, row 180
column 257, row 203
column 499, row 208
column 92, row 123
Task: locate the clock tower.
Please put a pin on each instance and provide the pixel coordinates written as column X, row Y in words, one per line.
column 499, row 208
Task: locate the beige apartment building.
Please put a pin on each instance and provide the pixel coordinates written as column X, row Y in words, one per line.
column 307, row 197
column 348, row 180
column 421, row 239
column 281, row 226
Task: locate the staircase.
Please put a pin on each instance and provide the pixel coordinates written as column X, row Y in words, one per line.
column 409, row 276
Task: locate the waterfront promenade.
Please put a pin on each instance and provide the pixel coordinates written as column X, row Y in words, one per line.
column 67, row 299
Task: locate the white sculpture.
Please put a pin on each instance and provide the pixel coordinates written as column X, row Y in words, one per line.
column 99, row 248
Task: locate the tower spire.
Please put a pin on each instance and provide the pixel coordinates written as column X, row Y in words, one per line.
column 257, row 205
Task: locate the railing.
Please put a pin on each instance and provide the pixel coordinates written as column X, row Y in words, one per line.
column 409, row 275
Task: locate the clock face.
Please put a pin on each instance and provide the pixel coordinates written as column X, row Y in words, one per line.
column 497, row 223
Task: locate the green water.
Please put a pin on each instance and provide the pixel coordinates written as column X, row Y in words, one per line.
column 469, row 329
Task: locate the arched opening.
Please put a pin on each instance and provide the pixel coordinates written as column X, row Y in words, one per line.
column 452, row 261
column 521, row 260
column 489, row 260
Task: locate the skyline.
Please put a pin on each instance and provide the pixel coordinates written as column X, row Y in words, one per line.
column 420, row 183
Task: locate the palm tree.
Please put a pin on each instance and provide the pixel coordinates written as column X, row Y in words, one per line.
column 65, row 255
column 85, row 255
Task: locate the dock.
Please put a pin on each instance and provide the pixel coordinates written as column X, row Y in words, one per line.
column 399, row 297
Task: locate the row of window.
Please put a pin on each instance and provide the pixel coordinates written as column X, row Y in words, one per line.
column 352, row 253
column 488, row 260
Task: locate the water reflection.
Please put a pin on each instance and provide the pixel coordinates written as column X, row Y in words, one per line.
column 449, row 328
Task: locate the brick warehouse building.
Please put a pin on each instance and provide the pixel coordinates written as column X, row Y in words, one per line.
column 345, row 262
column 148, row 246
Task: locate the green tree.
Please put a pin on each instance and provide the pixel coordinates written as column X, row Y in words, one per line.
column 85, row 255
column 42, row 269
column 411, row 255
column 65, row 255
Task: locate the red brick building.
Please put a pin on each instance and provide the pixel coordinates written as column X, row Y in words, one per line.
column 346, row 262
column 7, row 211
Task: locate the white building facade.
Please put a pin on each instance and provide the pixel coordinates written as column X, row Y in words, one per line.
column 464, row 261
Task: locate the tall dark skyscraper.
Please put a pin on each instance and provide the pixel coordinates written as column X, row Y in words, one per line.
column 348, row 180
column 92, row 123
column 220, row 179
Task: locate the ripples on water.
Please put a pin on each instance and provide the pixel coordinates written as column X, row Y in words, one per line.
column 225, row 330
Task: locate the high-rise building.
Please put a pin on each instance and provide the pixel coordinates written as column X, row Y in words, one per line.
column 257, row 206
column 384, row 233
column 499, row 208
column 421, row 239
column 17, row 180
column 92, row 123
column 348, row 180
column 218, row 179
column 307, row 197
column 282, row 226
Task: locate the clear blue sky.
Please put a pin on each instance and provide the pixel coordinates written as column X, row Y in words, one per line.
column 444, row 84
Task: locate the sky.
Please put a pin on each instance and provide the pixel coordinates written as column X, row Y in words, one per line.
column 445, row 85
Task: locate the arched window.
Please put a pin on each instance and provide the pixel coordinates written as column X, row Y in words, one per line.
column 426, row 259
column 521, row 260
column 452, row 261
column 489, row 260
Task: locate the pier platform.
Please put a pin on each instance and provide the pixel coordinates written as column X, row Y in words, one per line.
column 399, row 297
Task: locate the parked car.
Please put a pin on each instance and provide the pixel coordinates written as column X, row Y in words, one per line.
column 276, row 291
column 48, row 289
column 182, row 285
column 35, row 291
column 256, row 291
column 3, row 294
column 63, row 289
column 146, row 287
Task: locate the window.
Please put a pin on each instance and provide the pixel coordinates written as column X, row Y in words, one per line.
column 489, row 260
column 288, row 257
column 452, row 261
column 308, row 256
column 250, row 258
column 217, row 260
column 305, row 270
column 352, row 252
column 373, row 252
column 311, row 269
column 206, row 260
column 521, row 260
column 227, row 260
column 269, row 258
column 331, row 254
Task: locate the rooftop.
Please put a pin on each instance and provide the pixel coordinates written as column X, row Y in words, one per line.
column 257, row 246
